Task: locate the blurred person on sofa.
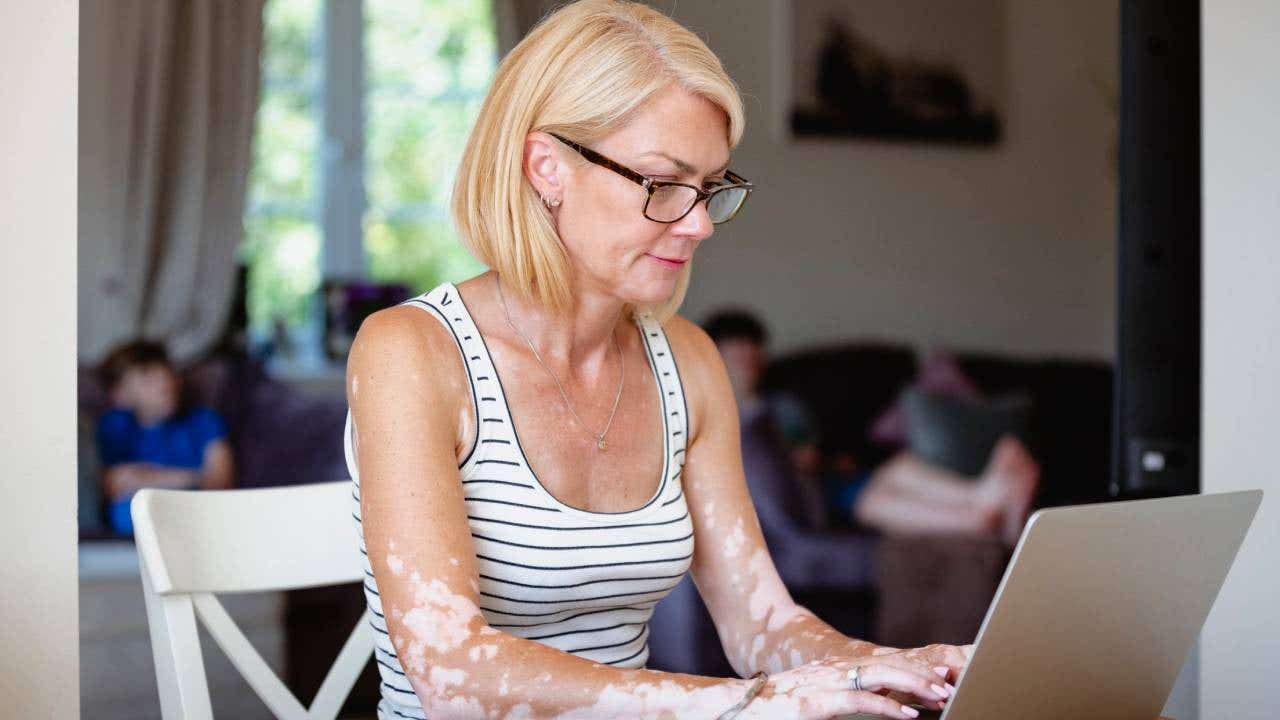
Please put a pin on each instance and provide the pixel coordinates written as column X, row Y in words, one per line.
column 151, row 437
column 905, row 495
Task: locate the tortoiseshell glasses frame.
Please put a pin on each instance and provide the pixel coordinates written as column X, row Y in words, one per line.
column 675, row 199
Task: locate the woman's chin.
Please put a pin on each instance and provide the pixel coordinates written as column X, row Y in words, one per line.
column 653, row 293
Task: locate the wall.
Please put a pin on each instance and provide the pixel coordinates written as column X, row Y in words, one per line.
column 1240, row 645
column 38, row 634
column 1010, row 249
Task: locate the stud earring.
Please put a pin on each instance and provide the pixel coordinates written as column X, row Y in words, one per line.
column 552, row 203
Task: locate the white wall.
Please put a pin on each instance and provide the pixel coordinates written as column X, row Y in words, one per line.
column 38, row 604
column 1011, row 248
column 1240, row 645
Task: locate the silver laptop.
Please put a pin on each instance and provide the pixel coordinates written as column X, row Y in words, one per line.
column 1099, row 608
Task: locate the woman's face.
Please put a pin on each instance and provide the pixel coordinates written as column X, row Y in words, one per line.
column 615, row 249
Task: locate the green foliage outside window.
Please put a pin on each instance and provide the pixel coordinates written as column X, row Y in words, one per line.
column 282, row 233
column 428, row 64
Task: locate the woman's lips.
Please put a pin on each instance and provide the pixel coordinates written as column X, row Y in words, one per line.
column 671, row 263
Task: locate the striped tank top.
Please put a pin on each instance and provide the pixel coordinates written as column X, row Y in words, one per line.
column 583, row 582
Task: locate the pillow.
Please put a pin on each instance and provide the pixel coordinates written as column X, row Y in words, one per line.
column 957, row 434
column 940, row 375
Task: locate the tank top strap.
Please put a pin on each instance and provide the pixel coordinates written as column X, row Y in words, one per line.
column 493, row 418
column 667, row 375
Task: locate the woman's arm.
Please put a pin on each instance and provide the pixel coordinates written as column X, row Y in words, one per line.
column 411, row 413
column 760, row 625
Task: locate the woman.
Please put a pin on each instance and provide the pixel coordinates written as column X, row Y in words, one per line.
column 534, row 472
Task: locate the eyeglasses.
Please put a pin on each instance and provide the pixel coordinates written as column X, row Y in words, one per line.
column 670, row 201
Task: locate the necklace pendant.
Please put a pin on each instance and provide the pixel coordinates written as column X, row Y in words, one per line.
column 600, row 445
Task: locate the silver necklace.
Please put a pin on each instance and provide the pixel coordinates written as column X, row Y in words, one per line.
column 600, row 443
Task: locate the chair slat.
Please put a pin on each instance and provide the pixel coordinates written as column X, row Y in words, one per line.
column 246, row 659
column 175, row 647
column 345, row 671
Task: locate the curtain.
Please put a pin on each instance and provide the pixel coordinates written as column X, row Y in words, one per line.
column 168, row 92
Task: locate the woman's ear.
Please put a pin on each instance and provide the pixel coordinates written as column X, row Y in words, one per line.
column 542, row 166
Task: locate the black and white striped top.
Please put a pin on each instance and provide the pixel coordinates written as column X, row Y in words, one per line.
column 583, row 582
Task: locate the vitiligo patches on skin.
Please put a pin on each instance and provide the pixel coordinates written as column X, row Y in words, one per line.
column 443, row 677
column 486, row 652
column 733, row 543
column 440, row 620
column 653, row 701
column 765, row 597
column 395, row 564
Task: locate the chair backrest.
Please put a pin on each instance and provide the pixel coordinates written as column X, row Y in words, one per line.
column 193, row 544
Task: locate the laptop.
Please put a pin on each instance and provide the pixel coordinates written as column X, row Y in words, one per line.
column 1099, row 607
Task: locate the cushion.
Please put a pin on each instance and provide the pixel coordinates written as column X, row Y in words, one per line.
column 960, row 434
column 941, row 375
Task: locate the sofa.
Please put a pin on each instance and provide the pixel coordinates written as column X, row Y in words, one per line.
column 895, row 591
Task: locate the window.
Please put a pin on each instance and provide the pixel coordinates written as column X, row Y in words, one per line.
column 363, row 113
column 282, row 233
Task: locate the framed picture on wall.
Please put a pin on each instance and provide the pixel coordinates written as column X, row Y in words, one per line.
column 906, row 70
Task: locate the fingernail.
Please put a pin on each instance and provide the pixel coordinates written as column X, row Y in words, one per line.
column 910, row 711
column 941, row 671
column 940, row 691
column 951, row 687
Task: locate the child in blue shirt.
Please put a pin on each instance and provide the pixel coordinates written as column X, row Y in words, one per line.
column 149, row 438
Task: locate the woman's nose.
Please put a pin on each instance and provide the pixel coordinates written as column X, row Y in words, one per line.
column 697, row 223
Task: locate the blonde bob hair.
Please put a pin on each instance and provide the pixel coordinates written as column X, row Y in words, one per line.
column 582, row 72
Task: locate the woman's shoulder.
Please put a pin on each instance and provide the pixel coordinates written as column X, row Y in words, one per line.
column 697, row 357
column 703, row 376
column 689, row 342
column 404, row 343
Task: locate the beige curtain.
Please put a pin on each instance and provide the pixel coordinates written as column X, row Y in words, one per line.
column 168, row 91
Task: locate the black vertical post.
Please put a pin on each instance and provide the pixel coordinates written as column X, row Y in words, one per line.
column 1157, row 392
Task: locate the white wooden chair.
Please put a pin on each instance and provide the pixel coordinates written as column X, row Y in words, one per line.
column 193, row 544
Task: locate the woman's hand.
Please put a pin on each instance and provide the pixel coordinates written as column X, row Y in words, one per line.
column 953, row 657
column 822, row 689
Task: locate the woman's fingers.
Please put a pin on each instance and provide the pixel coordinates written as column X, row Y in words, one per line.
column 929, row 675
column 873, row 704
column 950, row 656
column 909, row 699
column 877, row 677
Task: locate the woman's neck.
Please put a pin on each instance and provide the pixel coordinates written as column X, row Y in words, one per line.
column 579, row 340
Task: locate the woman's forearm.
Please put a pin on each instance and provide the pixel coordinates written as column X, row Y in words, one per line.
column 461, row 667
column 802, row 638
column 495, row 674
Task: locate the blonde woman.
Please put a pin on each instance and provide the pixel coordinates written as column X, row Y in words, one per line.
column 541, row 452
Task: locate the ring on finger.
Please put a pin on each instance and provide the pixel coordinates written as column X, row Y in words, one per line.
column 855, row 675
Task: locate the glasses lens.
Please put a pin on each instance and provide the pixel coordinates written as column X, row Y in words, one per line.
column 670, row 202
column 725, row 202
